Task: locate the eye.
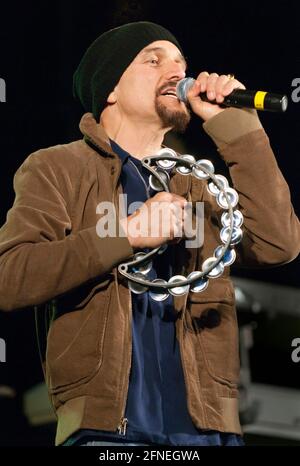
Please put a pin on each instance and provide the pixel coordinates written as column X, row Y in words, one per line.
column 153, row 61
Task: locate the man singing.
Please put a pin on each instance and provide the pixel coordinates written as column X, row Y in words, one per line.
column 123, row 367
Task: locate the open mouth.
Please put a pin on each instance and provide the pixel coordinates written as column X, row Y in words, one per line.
column 171, row 92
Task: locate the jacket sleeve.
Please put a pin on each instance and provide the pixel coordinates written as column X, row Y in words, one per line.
column 271, row 227
column 40, row 257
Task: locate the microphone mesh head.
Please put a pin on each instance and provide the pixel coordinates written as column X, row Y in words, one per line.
column 183, row 87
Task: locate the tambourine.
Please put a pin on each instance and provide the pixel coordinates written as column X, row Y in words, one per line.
column 136, row 270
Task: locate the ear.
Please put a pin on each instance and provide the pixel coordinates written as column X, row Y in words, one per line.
column 112, row 98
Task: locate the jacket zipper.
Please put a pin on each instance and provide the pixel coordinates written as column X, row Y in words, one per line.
column 122, row 427
column 124, row 421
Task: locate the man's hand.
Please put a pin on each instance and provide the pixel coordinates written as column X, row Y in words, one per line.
column 216, row 88
column 158, row 221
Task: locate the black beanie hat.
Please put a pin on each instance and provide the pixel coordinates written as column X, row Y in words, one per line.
column 107, row 58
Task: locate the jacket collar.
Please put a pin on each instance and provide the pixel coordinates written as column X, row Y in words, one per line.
column 95, row 135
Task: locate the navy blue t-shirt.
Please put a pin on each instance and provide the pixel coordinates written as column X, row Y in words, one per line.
column 156, row 406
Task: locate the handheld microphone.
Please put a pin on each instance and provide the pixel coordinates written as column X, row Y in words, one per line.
column 260, row 100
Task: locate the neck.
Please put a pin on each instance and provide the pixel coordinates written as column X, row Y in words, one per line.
column 134, row 136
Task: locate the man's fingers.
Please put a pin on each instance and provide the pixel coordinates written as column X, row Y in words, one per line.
column 211, row 86
column 231, row 85
column 220, row 85
column 202, row 80
column 163, row 196
column 215, row 86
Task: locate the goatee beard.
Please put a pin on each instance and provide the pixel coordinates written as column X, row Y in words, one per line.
column 178, row 120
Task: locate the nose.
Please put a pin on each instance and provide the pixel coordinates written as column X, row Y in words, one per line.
column 176, row 71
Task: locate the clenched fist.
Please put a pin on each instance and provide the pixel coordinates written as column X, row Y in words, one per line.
column 216, row 88
column 158, row 221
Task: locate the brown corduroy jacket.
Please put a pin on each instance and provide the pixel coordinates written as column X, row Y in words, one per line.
column 52, row 258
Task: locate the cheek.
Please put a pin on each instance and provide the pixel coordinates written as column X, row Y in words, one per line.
column 127, row 94
column 137, row 96
column 138, row 88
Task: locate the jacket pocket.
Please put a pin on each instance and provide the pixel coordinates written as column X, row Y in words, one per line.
column 214, row 321
column 75, row 344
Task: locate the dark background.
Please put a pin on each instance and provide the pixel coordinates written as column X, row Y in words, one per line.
column 41, row 44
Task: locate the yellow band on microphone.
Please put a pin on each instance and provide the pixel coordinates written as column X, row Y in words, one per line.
column 259, row 100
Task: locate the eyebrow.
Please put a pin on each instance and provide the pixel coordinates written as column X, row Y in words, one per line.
column 161, row 49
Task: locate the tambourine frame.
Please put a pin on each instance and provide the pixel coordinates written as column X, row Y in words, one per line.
column 123, row 267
